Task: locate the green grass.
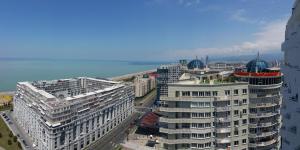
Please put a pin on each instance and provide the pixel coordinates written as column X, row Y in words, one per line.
column 8, row 107
column 4, row 130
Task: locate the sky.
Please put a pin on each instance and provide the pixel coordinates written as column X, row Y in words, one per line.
column 141, row 29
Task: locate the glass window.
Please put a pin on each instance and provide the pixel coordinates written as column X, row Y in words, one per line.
column 244, row 91
column 227, row 92
column 236, row 92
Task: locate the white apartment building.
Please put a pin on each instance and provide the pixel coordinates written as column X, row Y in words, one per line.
column 205, row 115
column 70, row 114
column 290, row 130
column 143, row 85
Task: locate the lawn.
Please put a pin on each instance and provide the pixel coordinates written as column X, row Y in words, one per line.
column 5, row 132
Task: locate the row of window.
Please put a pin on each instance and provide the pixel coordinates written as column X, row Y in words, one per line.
column 200, row 125
column 208, row 93
column 200, row 136
column 201, row 115
column 206, row 145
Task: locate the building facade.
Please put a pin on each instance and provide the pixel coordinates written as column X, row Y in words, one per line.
column 167, row 74
column 290, row 130
column 264, row 104
column 143, row 85
column 70, row 114
column 201, row 115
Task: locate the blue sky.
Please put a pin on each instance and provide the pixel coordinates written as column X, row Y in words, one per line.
column 140, row 29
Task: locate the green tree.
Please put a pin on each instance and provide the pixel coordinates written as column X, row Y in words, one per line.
column 19, row 145
column 15, row 138
column 11, row 134
column 9, row 142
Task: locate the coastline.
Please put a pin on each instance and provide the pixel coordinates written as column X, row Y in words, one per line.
column 116, row 78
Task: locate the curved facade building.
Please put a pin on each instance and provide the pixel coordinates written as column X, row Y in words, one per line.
column 264, row 105
column 290, row 130
column 201, row 115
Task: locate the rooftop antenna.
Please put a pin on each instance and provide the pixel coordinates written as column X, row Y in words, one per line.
column 196, row 57
column 257, row 55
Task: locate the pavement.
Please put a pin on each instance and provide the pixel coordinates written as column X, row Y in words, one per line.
column 23, row 138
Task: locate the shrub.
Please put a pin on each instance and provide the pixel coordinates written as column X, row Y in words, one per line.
column 15, row 139
column 11, row 134
column 9, row 142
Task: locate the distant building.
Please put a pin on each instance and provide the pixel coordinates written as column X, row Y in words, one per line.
column 290, row 130
column 71, row 114
column 264, row 104
column 167, row 74
column 205, row 114
column 144, row 84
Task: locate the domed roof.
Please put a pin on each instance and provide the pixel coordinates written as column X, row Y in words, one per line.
column 195, row 64
column 257, row 65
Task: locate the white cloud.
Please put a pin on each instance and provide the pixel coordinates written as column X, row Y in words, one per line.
column 268, row 39
column 240, row 16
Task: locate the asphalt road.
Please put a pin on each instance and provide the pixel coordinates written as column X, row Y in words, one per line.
column 118, row 135
column 13, row 126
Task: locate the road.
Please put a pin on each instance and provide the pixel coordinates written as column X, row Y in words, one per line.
column 13, row 126
column 118, row 135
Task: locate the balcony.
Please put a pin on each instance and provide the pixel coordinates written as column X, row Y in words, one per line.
column 267, row 124
column 224, row 108
column 223, row 130
column 259, row 144
column 263, row 134
column 262, row 115
column 185, row 141
column 169, row 109
column 223, row 140
column 185, row 130
column 185, row 120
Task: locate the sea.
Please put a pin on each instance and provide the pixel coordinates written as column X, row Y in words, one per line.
column 17, row 70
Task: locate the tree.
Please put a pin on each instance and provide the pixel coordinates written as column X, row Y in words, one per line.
column 9, row 142
column 19, row 145
column 15, row 138
column 11, row 134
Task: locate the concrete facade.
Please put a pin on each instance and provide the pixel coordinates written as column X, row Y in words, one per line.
column 290, row 130
column 205, row 116
column 70, row 114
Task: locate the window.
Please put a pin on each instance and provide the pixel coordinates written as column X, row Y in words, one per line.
column 244, row 111
column 227, row 92
column 236, row 92
column 236, row 123
column 201, row 93
column 185, row 93
column 207, row 93
column 236, row 143
column 236, row 112
column 244, row 121
column 177, row 94
column 215, row 93
column 244, row 101
column 244, row 91
column 244, row 131
column 236, row 132
column 244, row 141
column 236, row 102
column 194, row 93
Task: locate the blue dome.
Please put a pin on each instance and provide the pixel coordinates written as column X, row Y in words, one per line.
column 257, row 65
column 196, row 63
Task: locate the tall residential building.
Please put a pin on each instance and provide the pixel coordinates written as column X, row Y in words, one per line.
column 71, row 114
column 167, row 74
column 264, row 104
column 290, row 130
column 171, row 74
column 205, row 114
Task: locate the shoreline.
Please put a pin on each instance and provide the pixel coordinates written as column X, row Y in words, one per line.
column 116, row 78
